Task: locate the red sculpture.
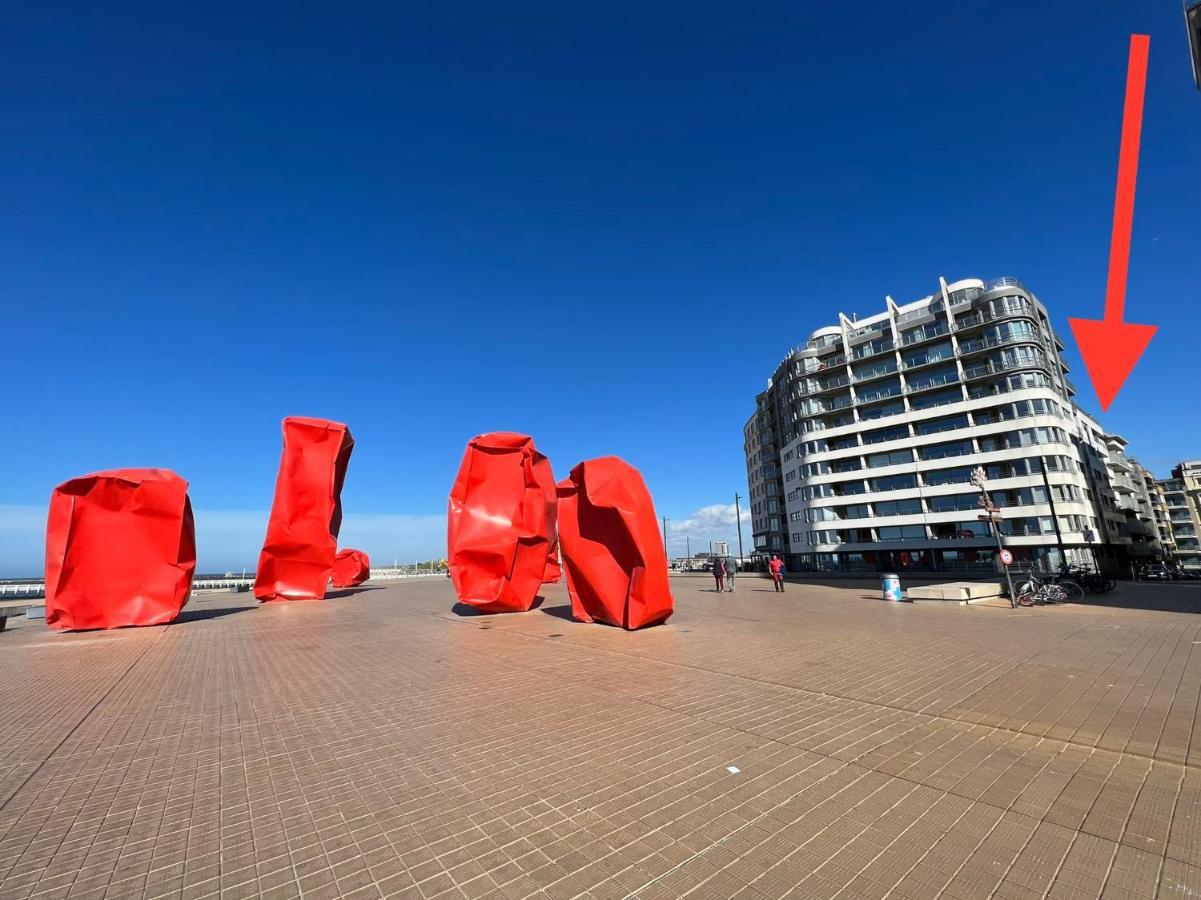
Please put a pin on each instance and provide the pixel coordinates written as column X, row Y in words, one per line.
column 546, row 479
column 351, row 568
column 500, row 522
column 120, row 550
column 553, row 573
column 306, row 515
column 612, row 549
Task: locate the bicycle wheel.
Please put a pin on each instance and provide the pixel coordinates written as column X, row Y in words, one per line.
column 1026, row 598
column 1073, row 590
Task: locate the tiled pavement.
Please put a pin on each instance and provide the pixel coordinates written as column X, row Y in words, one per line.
column 379, row 744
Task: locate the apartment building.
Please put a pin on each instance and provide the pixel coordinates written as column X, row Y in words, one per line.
column 1182, row 500
column 862, row 447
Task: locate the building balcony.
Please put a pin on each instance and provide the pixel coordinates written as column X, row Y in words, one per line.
column 994, row 367
column 964, row 296
column 929, row 333
column 1022, row 310
column 931, row 384
column 867, row 351
column 929, row 360
column 1006, row 281
column 882, row 370
column 877, row 395
column 968, row 348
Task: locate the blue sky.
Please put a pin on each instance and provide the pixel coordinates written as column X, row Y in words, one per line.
column 601, row 225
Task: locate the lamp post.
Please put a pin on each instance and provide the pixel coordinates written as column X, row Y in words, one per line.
column 980, row 480
column 738, row 513
column 665, row 553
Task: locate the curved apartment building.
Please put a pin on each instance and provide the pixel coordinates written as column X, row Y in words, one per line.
column 877, row 424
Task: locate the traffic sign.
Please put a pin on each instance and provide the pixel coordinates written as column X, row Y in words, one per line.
column 1006, row 558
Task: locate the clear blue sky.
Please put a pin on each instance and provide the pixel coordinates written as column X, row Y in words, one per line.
column 601, row 225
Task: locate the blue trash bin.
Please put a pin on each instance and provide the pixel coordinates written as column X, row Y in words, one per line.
column 892, row 586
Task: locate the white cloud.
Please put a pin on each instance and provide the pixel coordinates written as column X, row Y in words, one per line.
column 718, row 522
column 229, row 540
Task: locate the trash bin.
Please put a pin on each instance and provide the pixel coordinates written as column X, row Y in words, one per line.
column 892, row 586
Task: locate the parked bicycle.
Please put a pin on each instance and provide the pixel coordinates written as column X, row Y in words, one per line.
column 1035, row 592
column 1092, row 582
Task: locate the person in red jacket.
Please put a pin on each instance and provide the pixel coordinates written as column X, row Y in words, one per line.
column 777, row 573
column 719, row 573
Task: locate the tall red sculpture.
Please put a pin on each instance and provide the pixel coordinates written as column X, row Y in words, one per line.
column 306, row 515
column 351, row 568
column 612, row 549
column 500, row 521
column 120, row 550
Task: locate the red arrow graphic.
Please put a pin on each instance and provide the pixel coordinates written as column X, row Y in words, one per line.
column 1111, row 347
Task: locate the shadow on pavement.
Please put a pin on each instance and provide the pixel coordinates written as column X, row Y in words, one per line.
column 197, row 614
column 467, row 610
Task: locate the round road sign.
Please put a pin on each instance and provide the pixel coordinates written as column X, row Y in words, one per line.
column 1006, row 558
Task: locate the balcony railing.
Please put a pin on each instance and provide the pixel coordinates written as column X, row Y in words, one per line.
column 968, row 347
column 885, row 394
column 861, row 377
column 996, row 368
column 964, row 295
column 925, row 334
column 866, row 351
column 1015, row 310
column 938, row 381
column 928, row 360
column 1006, row 281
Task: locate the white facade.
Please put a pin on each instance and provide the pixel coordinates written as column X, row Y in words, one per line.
column 886, row 417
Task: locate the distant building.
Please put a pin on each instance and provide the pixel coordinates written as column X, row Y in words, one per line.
column 1182, row 500
column 860, row 450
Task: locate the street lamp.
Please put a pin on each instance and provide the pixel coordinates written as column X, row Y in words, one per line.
column 666, row 555
column 1192, row 20
column 738, row 513
column 993, row 517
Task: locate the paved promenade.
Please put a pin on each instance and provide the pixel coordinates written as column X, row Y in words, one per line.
column 815, row 744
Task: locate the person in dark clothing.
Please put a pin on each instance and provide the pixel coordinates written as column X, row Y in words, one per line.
column 719, row 573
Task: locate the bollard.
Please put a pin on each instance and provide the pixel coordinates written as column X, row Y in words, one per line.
column 892, row 586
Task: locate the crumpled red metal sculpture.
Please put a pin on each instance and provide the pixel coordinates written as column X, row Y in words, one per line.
column 120, row 550
column 546, row 478
column 554, row 572
column 612, row 549
column 351, row 568
column 500, row 521
column 306, row 515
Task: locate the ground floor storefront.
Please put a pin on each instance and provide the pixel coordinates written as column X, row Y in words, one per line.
column 979, row 560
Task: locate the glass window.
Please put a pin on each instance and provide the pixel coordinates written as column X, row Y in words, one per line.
column 936, row 398
column 953, row 502
column 894, row 482
column 892, row 458
column 898, row 507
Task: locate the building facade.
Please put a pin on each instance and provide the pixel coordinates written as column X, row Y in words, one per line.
column 861, row 449
column 1182, row 500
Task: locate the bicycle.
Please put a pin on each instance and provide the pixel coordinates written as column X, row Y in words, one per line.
column 1034, row 592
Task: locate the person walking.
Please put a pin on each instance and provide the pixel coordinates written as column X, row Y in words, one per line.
column 731, row 570
column 719, row 573
column 777, row 573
